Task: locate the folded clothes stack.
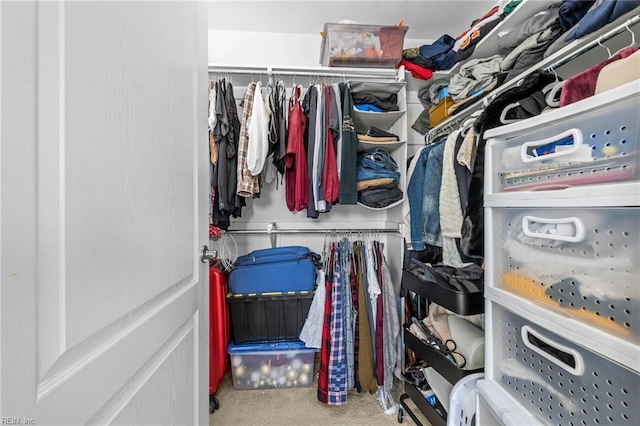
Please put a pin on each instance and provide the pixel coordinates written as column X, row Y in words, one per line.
column 375, row 134
column 376, row 103
column 377, row 178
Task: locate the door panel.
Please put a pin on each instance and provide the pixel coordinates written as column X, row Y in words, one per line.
column 103, row 123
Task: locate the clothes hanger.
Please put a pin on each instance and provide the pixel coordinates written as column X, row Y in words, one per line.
column 553, row 95
column 633, row 35
column 605, row 47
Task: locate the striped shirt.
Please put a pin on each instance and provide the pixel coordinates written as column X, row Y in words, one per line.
column 248, row 185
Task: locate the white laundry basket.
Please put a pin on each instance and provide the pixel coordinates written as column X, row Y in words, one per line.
column 462, row 402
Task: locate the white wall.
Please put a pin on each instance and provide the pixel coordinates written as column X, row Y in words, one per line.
column 272, row 48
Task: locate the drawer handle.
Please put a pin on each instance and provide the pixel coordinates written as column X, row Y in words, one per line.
column 561, row 355
column 570, row 229
column 532, row 151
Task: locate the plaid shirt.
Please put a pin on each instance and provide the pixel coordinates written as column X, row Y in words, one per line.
column 248, row 185
column 337, row 354
column 349, row 313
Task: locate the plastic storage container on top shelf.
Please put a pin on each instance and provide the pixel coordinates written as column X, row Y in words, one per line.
column 581, row 263
column 557, row 380
column 590, row 142
column 362, row 46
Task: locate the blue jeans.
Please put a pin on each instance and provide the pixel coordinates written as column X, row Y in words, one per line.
column 431, row 201
column 377, row 159
column 422, row 183
column 366, row 174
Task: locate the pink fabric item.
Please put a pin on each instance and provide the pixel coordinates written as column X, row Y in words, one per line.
column 583, row 85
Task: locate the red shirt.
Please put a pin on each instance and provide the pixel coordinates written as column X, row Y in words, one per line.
column 295, row 159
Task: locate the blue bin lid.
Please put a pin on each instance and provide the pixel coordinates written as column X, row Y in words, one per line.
column 267, row 347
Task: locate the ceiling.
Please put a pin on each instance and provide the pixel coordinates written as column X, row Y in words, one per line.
column 426, row 19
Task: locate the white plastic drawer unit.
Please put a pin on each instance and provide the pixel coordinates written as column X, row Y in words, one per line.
column 589, row 142
column 582, row 263
column 561, row 382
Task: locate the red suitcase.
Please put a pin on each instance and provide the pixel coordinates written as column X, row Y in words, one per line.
column 219, row 334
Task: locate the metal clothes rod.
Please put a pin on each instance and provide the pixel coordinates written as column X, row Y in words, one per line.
column 380, row 73
column 626, row 26
column 312, row 231
column 483, row 102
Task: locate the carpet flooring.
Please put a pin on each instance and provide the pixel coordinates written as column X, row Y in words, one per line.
column 297, row 406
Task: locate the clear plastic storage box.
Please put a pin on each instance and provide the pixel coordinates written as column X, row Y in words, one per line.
column 590, row 142
column 581, row 263
column 557, row 380
column 362, row 46
column 271, row 365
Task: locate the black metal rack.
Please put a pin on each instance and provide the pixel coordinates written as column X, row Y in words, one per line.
column 456, row 301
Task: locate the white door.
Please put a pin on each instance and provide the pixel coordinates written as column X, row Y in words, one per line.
column 103, row 175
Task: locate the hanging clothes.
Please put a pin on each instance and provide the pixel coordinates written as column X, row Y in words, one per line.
column 365, row 351
column 278, row 126
column 248, row 184
column 295, row 159
column 319, row 149
column 348, row 150
column 223, row 144
column 330, row 183
column 258, row 131
column 337, row 390
column 323, row 370
column 310, row 107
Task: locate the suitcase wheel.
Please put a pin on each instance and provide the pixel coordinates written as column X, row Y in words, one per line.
column 214, row 404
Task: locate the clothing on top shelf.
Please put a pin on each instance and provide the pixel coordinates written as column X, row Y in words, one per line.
column 416, row 70
column 572, row 11
column 473, row 75
column 602, row 13
column 466, row 42
column 511, row 6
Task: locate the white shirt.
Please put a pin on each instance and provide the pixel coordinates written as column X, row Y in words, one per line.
column 258, row 133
